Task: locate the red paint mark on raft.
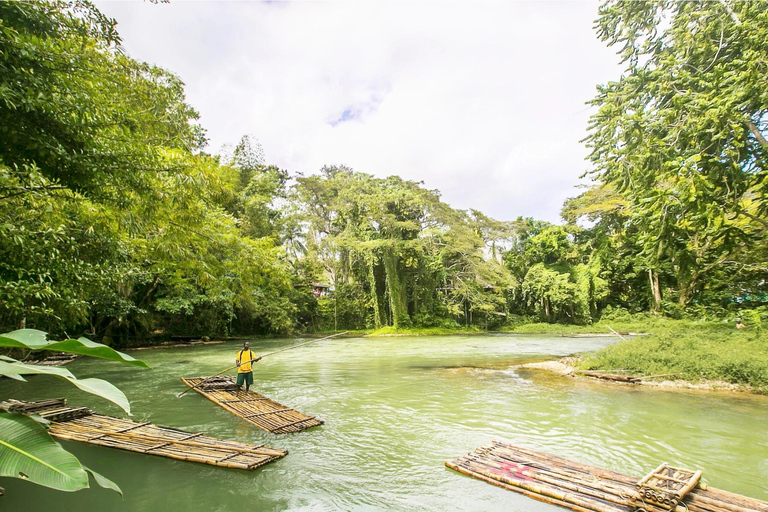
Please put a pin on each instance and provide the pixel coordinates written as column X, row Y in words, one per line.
column 518, row 471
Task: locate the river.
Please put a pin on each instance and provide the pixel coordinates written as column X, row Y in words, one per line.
column 395, row 410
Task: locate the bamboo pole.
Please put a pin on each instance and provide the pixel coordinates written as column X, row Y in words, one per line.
column 551, row 491
column 609, row 376
column 616, row 333
column 508, row 487
column 586, row 479
column 554, row 459
column 704, row 501
column 302, row 344
column 729, row 497
column 579, row 487
column 258, row 359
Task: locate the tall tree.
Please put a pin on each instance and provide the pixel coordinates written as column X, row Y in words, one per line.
column 682, row 135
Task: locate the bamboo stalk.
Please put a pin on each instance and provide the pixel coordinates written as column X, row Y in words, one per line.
column 695, row 500
column 530, row 458
column 590, row 481
column 594, row 492
column 529, row 494
column 560, row 461
column 729, row 497
column 609, row 376
column 553, row 492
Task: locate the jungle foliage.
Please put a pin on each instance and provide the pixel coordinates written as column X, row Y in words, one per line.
column 116, row 224
column 679, row 150
column 112, row 220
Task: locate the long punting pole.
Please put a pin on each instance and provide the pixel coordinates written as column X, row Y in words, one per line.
column 261, row 357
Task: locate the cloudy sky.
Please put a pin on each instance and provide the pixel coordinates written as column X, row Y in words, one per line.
column 484, row 101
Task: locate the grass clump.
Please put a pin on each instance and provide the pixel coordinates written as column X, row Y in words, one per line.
column 692, row 351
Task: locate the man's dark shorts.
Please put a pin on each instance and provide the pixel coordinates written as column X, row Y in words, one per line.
column 246, row 378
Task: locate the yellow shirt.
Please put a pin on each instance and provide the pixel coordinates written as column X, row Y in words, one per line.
column 244, row 357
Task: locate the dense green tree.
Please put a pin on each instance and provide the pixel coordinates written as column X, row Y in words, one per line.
column 109, row 222
column 79, row 111
column 418, row 261
column 682, row 134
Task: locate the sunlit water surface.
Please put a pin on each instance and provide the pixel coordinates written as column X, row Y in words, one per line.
column 395, row 410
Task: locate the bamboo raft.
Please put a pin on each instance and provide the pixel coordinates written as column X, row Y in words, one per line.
column 252, row 407
column 82, row 424
column 584, row 488
column 55, row 359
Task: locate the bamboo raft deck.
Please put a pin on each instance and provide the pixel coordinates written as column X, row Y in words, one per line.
column 584, row 488
column 82, row 424
column 55, row 359
column 252, row 407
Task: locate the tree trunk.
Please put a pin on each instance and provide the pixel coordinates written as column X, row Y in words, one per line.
column 653, row 278
column 686, row 290
column 395, row 287
column 374, row 296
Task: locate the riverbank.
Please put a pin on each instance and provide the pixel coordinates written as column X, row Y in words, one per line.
column 422, row 331
column 571, row 366
column 706, row 355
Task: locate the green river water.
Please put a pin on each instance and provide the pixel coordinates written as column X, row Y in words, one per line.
column 395, row 410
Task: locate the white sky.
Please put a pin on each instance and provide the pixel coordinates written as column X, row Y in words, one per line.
column 481, row 100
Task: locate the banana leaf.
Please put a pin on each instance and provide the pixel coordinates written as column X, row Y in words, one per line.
column 29, row 453
column 38, row 340
column 96, row 387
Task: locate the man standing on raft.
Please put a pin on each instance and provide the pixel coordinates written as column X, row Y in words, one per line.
column 244, row 371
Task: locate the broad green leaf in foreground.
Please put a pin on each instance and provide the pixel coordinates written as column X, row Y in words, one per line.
column 38, row 340
column 104, row 481
column 28, row 452
column 96, row 387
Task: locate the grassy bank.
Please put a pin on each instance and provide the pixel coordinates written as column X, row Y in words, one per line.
column 423, row 331
column 691, row 351
column 636, row 324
